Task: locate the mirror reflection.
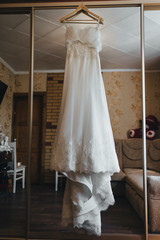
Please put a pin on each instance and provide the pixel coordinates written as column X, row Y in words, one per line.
column 120, row 63
column 14, row 58
column 152, row 52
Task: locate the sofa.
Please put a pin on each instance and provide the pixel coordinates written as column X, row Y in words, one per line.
column 129, row 181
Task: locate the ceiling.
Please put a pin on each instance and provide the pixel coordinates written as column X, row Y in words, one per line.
column 120, row 36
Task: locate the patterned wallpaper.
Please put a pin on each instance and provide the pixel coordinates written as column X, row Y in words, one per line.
column 8, row 78
column 16, row 84
column 153, row 94
column 123, row 92
column 21, row 82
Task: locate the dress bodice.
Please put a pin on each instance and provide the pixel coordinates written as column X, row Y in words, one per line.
column 89, row 37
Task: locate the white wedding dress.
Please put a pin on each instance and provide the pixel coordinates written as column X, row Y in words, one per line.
column 84, row 149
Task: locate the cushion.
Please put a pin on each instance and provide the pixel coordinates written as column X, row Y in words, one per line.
column 154, row 186
column 121, row 176
column 154, row 203
column 132, row 153
column 136, row 201
column 153, row 156
column 134, row 177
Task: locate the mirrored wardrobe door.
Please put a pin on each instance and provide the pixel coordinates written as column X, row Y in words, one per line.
column 120, row 62
column 152, row 65
column 14, row 59
column 49, row 56
column 122, row 80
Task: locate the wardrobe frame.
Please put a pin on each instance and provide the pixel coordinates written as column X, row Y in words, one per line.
column 30, row 8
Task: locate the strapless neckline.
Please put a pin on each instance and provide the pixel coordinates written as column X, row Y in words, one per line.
column 81, row 28
column 88, row 36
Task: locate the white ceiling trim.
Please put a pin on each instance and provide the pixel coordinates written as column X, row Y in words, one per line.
column 41, row 71
column 121, row 70
column 7, row 65
column 62, row 70
column 103, row 70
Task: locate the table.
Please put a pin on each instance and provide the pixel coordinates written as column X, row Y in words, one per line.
column 5, row 157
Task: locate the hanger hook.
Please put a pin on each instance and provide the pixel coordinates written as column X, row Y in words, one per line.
column 98, row 22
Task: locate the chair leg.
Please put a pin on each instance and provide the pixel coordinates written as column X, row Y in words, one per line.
column 23, row 179
column 56, row 181
column 14, row 184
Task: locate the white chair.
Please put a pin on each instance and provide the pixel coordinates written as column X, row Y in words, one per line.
column 57, row 175
column 18, row 172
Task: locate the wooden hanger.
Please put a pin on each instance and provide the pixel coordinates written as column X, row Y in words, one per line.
column 81, row 9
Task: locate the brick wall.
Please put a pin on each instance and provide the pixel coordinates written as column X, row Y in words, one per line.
column 53, row 102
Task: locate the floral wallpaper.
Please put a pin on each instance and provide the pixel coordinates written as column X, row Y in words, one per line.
column 16, row 84
column 153, row 94
column 8, row 78
column 123, row 92
column 21, row 82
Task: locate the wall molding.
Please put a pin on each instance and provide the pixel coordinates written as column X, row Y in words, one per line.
column 103, row 70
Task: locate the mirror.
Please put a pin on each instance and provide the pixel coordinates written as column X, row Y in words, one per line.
column 14, row 59
column 120, row 62
column 123, row 91
column 152, row 53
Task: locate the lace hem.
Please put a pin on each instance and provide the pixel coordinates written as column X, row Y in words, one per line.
column 76, row 156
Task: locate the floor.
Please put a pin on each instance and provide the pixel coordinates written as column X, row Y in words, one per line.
column 45, row 212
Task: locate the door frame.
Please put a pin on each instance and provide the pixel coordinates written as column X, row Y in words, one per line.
column 42, row 143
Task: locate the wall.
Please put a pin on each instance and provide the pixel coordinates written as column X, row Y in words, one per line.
column 153, row 94
column 21, row 82
column 123, row 92
column 8, row 78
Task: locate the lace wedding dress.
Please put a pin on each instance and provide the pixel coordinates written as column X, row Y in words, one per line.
column 84, row 149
